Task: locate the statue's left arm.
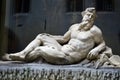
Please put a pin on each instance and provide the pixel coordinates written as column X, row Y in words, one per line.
column 99, row 43
column 62, row 39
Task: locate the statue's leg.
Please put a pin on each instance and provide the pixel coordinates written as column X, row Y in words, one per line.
column 31, row 46
column 50, row 53
column 41, row 38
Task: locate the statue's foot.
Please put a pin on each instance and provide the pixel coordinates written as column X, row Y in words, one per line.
column 6, row 57
column 17, row 57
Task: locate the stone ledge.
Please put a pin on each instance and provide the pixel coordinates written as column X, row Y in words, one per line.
column 43, row 71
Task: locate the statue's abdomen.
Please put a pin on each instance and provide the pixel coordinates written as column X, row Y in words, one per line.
column 80, row 46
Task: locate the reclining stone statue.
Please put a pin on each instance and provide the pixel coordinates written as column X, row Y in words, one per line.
column 83, row 41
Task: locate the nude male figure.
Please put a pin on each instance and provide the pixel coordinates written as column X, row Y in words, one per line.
column 82, row 40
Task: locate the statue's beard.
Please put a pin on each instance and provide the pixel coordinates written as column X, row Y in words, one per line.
column 86, row 25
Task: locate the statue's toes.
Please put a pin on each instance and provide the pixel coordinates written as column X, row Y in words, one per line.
column 6, row 57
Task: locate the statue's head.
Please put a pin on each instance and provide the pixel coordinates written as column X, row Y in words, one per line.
column 89, row 14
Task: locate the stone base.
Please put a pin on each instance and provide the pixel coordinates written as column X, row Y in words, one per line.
column 35, row 71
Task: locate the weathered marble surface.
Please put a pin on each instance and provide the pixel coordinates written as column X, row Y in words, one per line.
column 43, row 71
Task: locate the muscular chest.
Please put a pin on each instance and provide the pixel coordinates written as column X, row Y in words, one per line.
column 81, row 35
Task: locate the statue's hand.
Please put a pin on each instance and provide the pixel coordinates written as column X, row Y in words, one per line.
column 93, row 54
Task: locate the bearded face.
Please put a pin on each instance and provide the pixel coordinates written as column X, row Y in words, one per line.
column 89, row 14
column 87, row 17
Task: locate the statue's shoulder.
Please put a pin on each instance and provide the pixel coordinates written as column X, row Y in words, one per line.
column 95, row 30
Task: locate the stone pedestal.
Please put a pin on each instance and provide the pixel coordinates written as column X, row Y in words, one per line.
column 35, row 71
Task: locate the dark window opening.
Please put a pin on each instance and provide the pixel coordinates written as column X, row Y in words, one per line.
column 105, row 5
column 22, row 6
column 74, row 5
